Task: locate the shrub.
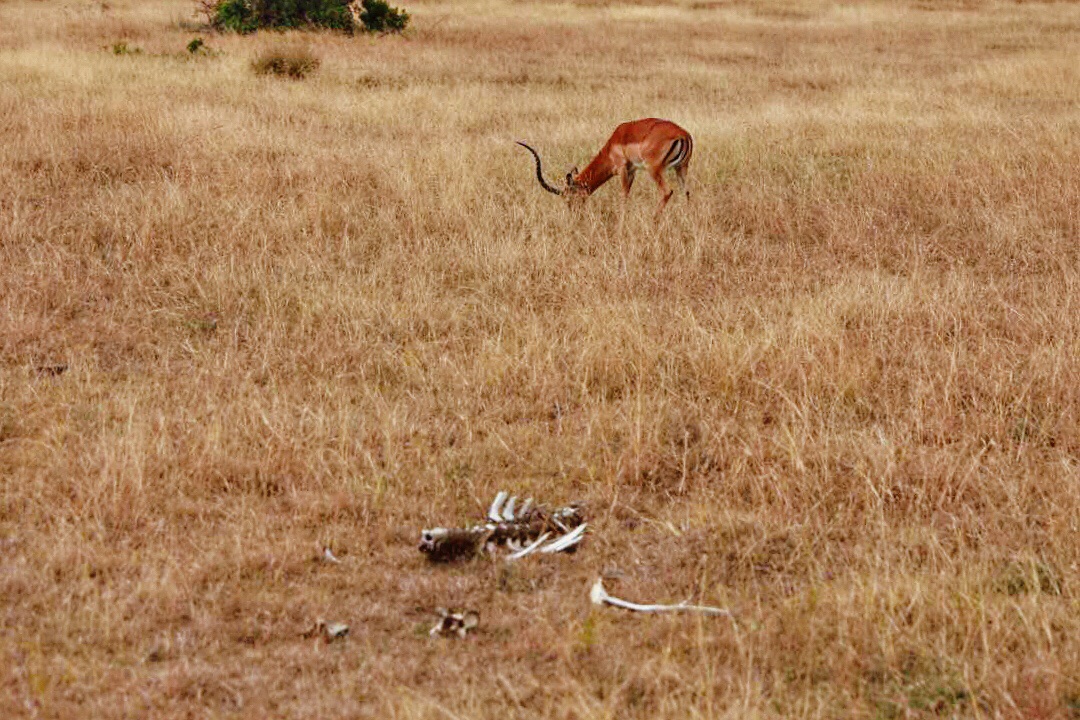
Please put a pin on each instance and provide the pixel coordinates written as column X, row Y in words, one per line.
column 287, row 61
column 236, row 15
column 378, row 16
column 196, row 46
column 247, row 16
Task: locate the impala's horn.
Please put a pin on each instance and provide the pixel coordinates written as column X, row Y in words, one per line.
column 539, row 171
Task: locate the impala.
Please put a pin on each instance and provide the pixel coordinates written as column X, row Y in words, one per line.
column 653, row 144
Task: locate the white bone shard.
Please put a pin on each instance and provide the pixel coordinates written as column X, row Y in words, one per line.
column 450, row 622
column 527, row 550
column 329, row 631
column 496, row 506
column 336, row 631
column 508, row 509
column 599, row 596
column 567, row 541
column 525, row 507
column 328, row 556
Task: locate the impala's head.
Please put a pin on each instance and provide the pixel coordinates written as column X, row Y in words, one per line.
column 574, row 191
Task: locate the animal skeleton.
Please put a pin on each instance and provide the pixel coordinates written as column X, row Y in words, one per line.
column 519, row 530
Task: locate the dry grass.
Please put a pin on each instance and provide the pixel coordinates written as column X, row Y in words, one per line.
column 838, row 392
column 295, row 61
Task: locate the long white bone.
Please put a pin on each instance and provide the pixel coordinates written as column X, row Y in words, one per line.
column 525, row 507
column 508, row 510
column 599, row 596
column 567, row 541
column 527, row 550
column 496, row 505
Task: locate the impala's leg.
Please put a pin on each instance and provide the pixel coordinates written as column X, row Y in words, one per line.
column 680, row 175
column 665, row 191
column 627, row 177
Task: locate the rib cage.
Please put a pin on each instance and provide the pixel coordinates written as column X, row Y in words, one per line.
column 516, row 531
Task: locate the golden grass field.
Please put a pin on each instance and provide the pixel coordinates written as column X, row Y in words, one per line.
column 838, row 391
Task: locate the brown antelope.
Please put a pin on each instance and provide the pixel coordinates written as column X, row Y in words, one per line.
column 653, row 144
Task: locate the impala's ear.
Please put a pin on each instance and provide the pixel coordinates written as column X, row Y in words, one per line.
column 571, row 175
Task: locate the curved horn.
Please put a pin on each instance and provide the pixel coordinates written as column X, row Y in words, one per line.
column 539, row 171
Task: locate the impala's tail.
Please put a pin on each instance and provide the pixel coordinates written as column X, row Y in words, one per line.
column 539, row 171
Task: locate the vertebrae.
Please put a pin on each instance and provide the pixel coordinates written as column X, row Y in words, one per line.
column 517, row 531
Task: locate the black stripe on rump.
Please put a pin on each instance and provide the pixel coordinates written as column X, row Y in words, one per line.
column 666, row 162
column 676, row 154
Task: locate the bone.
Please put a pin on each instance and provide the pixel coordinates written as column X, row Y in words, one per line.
column 443, row 545
column 458, row 623
column 527, row 550
column 496, row 505
column 508, row 509
column 329, row 631
column 525, row 507
column 328, row 556
column 567, row 541
column 599, row 596
column 335, row 631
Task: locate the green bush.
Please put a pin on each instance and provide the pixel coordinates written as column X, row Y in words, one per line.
column 236, row 15
column 378, row 16
column 247, row 16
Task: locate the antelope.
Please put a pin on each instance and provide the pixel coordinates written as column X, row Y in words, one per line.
column 654, row 144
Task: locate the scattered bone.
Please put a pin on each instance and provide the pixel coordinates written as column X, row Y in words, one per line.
column 520, row 531
column 329, row 631
column 328, row 556
column 599, row 596
column 455, row 623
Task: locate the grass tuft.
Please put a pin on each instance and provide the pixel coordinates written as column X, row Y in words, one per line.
column 287, row 60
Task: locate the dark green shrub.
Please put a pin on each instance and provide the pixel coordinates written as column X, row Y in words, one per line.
column 236, row 15
column 246, row 16
column 196, row 46
column 378, row 16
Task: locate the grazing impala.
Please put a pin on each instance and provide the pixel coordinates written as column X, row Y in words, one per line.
column 656, row 145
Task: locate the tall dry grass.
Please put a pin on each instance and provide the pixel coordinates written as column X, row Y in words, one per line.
column 837, row 392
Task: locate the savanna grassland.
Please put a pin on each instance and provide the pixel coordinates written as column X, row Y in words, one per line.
column 838, row 391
